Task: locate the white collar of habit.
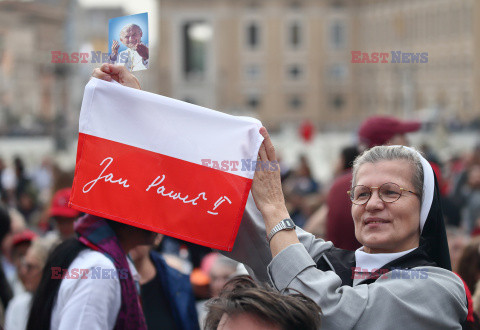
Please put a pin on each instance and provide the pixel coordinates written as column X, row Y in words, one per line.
column 366, row 262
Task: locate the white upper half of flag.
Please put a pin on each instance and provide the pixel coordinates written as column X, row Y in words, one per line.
column 168, row 126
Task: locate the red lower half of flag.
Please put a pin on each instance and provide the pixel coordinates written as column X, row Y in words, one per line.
column 158, row 193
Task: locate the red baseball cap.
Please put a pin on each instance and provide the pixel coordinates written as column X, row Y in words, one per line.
column 60, row 207
column 377, row 130
column 23, row 236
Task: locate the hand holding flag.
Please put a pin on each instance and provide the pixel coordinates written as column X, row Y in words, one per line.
column 119, row 73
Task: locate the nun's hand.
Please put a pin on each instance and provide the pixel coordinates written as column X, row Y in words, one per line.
column 267, row 187
column 119, row 73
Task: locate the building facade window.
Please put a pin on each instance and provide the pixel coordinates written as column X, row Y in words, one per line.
column 253, row 5
column 295, row 5
column 338, row 72
column 295, row 35
column 253, row 72
column 295, row 102
column 294, row 72
column 337, row 102
column 196, row 37
column 253, row 101
column 338, row 34
column 253, row 35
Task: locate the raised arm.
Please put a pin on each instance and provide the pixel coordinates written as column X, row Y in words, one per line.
column 268, row 196
column 263, row 211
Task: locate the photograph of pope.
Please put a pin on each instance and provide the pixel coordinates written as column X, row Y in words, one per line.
column 135, row 56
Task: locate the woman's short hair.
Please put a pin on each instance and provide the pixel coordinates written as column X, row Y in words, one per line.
column 381, row 153
column 241, row 295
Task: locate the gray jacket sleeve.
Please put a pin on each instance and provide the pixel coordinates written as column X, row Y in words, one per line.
column 435, row 302
column 251, row 247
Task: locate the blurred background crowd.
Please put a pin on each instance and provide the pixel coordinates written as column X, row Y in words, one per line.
column 286, row 62
column 35, row 217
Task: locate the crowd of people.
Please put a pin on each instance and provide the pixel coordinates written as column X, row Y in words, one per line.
column 395, row 248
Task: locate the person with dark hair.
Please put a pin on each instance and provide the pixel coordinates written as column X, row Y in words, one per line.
column 3, row 197
column 302, row 192
column 43, row 301
column 23, row 182
column 348, row 155
column 5, row 290
column 167, row 297
column 5, row 223
column 89, row 281
column 332, row 220
column 243, row 304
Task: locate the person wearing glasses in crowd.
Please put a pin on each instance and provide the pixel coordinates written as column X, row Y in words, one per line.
column 400, row 275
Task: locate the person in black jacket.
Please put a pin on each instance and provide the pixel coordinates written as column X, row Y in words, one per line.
column 167, row 295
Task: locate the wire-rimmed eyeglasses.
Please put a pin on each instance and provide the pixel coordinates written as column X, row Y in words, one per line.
column 388, row 192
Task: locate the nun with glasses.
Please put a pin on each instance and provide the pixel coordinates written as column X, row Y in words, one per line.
column 400, row 276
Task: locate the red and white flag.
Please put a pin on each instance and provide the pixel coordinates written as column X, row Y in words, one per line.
column 163, row 165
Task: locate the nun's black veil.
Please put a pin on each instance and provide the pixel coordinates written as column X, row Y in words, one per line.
column 434, row 236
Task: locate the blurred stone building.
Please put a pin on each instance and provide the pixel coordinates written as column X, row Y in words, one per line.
column 284, row 61
column 38, row 97
column 30, row 86
column 443, row 88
